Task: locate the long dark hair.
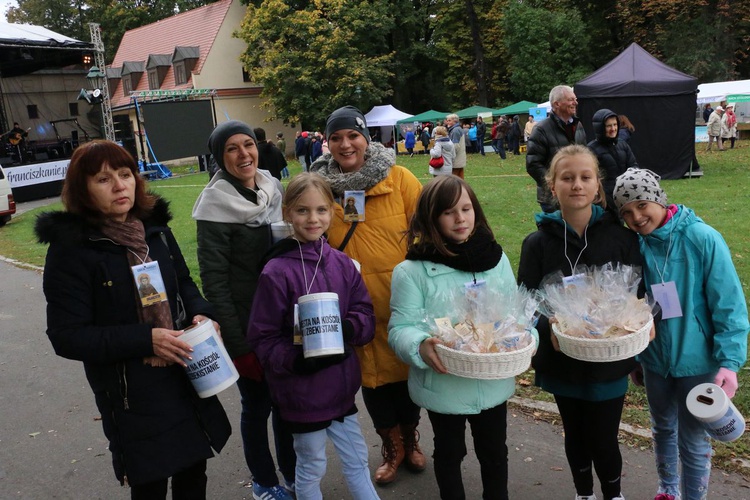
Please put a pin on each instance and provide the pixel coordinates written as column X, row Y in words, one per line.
column 439, row 195
column 87, row 160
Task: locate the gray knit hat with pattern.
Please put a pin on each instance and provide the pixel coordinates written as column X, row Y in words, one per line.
column 638, row 184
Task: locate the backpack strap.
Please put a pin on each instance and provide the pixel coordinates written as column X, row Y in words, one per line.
column 348, row 235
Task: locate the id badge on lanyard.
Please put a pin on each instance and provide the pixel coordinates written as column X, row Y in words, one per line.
column 666, row 295
column 149, row 283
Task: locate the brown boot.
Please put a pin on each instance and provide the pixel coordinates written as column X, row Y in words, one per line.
column 415, row 459
column 393, row 455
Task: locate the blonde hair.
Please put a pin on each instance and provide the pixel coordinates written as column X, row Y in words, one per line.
column 301, row 183
column 569, row 152
column 441, row 131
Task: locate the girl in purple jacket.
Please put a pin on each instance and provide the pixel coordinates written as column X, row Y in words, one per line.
column 314, row 395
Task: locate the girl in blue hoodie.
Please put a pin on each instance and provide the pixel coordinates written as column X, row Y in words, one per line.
column 702, row 335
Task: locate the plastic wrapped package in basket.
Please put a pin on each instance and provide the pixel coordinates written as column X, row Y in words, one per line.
column 486, row 365
column 598, row 315
column 486, row 334
column 605, row 349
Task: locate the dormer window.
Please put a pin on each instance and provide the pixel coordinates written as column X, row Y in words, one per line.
column 180, row 76
column 131, row 75
column 157, row 67
column 184, row 60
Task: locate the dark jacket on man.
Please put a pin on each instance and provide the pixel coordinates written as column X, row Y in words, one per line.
column 546, row 139
column 271, row 158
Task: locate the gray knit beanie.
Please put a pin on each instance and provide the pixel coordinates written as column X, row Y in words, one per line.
column 221, row 135
column 347, row 117
column 638, row 184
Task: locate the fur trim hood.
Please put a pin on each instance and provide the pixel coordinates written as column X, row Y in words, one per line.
column 61, row 226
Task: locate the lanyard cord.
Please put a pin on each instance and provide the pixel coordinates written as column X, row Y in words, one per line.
column 565, row 248
column 143, row 260
column 304, row 273
column 666, row 257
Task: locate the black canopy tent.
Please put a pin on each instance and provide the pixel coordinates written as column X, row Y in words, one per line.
column 658, row 100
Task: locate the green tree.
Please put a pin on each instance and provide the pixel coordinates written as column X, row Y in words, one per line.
column 319, row 56
column 469, row 39
column 707, row 39
column 547, row 48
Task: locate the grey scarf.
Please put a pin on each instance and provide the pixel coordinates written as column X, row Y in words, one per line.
column 378, row 163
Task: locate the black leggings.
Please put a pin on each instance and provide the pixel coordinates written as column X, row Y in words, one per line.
column 188, row 484
column 591, row 429
column 390, row 405
column 488, row 430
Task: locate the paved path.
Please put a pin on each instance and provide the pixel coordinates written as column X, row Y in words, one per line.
column 52, row 445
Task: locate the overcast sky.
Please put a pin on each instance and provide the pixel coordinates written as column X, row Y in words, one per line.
column 4, row 4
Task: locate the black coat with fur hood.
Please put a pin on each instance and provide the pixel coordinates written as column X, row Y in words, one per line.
column 155, row 422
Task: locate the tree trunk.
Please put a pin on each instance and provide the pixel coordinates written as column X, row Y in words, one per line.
column 480, row 70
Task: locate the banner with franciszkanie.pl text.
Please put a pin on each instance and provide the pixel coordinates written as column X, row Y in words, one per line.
column 39, row 173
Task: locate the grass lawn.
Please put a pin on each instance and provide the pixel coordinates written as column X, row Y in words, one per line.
column 508, row 195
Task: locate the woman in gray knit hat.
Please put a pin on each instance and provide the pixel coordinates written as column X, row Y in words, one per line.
column 233, row 215
column 378, row 245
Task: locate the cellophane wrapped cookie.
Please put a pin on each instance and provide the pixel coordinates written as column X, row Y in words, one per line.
column 481, row 320
column 596, row 302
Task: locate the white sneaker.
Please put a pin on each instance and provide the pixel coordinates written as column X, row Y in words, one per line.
column 619, row 497
column 585, row 497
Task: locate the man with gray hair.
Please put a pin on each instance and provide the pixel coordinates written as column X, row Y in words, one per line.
column 560, row 129
column 458, row 138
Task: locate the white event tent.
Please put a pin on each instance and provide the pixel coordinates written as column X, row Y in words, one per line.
column 385, row 117
column 720, row 91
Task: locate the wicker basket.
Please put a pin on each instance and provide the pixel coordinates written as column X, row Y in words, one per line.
column 604, row 350
column 487, row 366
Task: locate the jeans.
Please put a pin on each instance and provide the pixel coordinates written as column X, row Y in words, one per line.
column 301, row 160
column 352, row 450
column 488, row 430
column 188, row 484
column 256, row 408
column 679, row 438
column 499, row 147
column 390, row 405
column 591, row 429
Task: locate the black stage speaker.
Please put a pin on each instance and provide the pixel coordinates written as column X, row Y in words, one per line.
column 123, row 127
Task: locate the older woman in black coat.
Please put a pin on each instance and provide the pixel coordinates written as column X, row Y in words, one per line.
column 614, row 155
column 156, row 424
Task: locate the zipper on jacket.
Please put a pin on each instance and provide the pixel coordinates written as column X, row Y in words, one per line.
column 124, row 388
column 121, row 454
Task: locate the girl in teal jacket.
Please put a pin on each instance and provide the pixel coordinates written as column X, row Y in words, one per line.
column 450, row 245
column 702, row 336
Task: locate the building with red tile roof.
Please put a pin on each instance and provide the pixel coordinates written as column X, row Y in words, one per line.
column 190, row 51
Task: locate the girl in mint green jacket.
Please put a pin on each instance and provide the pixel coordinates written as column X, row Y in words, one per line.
column 450, row 245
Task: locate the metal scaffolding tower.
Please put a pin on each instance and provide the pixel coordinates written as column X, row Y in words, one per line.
column 107, row 122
